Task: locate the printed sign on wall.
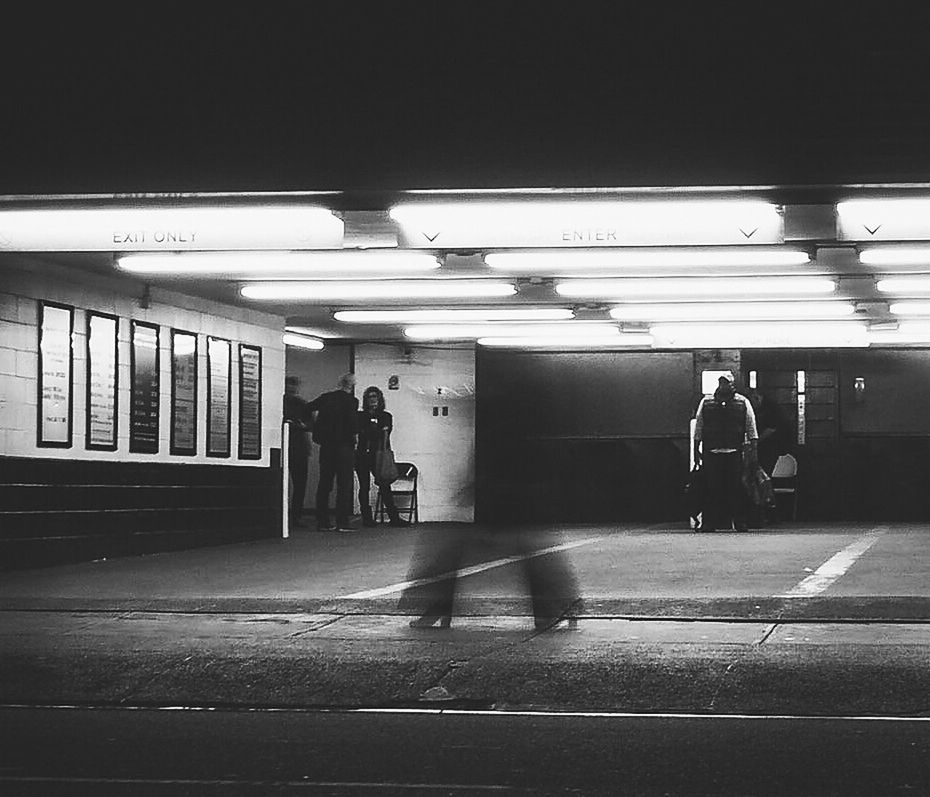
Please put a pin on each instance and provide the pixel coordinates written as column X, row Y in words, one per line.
column 219, row 376
column 144, row 390
column 102, row 381
column 56, row 364
column 183, row 392
column 250, row 402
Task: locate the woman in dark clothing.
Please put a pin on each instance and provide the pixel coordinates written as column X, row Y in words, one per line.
column 374, row 433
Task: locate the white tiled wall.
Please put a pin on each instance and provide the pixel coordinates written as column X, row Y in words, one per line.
column 27, row 280
column 442, row 447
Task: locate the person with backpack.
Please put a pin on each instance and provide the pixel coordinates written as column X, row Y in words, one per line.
column 724, row 423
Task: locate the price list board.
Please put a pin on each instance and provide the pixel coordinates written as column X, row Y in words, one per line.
column 144, row 389
column 219, row 377
column 102, row 381
column 183, row 392
column 250, row 402
column 56, row 369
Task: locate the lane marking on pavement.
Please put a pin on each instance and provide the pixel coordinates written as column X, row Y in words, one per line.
column 499, row 713
column 836, row 566
column 290, row 784
column 467, row 571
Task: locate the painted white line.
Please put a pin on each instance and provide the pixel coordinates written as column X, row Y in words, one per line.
column 498, row 713
column 432, row 788
column 390, row 589
column 833, row 568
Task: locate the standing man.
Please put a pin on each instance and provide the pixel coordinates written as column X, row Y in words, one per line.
column 297, row 417
column 723, row 424
column 334, row 431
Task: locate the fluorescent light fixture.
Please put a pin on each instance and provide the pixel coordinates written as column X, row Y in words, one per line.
column 520, row 212
column 896, row 256
column 280, row 264
column 565, row 330
column 907, row 332
column 465, row 315
column 302, row 342
column 637, row 339
column 583, row 221
column 715, row 311
column 915, row 284
column 361, row 290
column 595, row 259
column 864, row 211
column 910, row 308
column 164, row 229
column 691, row 287
column 767, row 335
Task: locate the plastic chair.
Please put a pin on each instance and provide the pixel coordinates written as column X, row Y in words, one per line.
column 785, row 480
column 404, row 488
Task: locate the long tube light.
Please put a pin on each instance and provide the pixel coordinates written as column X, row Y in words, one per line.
column 749, row 311
column 362, row 290
column 634, row 339
column 691, row 287
column 907, row 332
column 464, row 315
column 910, row 308
column 588, row 222
column 668, row 257
column 164, row 229
column 302, row 341
column 522, row 212
column 280, row 264
column 498, row 329
column 767, row 335
column 896, row 256
column 915, row 284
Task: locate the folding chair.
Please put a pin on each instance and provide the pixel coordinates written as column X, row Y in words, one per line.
column 785, row 480
column 405, row 489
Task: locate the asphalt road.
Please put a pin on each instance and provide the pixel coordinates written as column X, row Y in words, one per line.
column 174, row 752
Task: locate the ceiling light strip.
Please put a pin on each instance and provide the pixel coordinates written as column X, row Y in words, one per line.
column 361, row 290
column 263, row 265
column 463, row 315
column 690, row 287
column 575, row 260
column 748, row 311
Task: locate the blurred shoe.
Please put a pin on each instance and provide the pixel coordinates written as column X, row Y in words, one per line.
column 369, row 522
column 429, row 621
column 327, row 528
column 400, row 522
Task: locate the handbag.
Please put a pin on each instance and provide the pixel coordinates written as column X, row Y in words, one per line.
column 695, row 491
column 384, row 467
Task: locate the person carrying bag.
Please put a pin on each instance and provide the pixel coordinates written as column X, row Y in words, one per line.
column 374, row 457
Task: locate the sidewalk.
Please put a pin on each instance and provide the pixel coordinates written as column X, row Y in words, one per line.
column 148, row 631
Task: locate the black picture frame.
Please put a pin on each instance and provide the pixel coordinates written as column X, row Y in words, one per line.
column 92, row 423
column 144, row 390
column 183, row 437
column 250, row 403
column 55, row 382
column 219, row 398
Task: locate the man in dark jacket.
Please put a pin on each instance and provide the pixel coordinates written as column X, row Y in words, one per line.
column 334, row 431
column 724, row 423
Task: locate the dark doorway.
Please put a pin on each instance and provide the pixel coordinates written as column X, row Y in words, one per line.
column 581, row 436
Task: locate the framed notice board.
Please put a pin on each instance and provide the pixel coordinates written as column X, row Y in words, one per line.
column 102, row 381
column 183, row 392
column 144, row 388
column 250, row 402
column 219, row 377
column 56, row 372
